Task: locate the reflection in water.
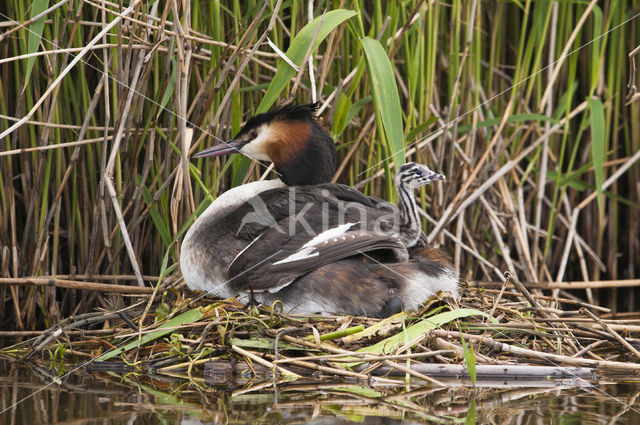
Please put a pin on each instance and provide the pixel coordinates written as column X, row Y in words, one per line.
column 128, row 398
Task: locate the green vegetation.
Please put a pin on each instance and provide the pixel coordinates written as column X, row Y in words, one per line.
column 521, row 104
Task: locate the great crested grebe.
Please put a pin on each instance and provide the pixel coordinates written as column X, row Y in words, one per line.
column 315, row 246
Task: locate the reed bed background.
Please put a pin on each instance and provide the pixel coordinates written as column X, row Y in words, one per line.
column 528, row 108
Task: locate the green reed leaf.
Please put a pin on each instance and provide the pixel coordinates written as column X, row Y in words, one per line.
column 597, row 145
column 190, row 316
column 35, row 34
column 298, row 49
column 385, row 96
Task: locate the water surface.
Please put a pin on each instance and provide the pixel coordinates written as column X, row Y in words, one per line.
column 32, row 394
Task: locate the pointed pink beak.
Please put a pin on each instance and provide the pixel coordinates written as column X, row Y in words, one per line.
column 224, row 148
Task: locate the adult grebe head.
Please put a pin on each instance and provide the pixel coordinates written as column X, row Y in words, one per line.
column 290, row 137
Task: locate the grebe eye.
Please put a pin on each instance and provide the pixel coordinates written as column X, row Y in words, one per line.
column 253, row 134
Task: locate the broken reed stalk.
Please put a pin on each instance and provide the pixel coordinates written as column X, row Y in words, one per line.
column 538, row 355
column 327, row 369
column 595, row 284
column 124, row 290
column 364, row 357
column 263, row 362
column 613, row 333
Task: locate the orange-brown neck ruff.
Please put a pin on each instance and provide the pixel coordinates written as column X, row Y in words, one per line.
column 302, row 152
column 290, row 139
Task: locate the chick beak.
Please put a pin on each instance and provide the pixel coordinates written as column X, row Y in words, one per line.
column 224, row 148
column 436, row 176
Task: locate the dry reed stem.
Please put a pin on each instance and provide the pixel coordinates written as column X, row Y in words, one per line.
column 574, row 216
column 327, row 369
column 462, row 193
column 473, row 251
column 538, row 355
column 613, row 333
column 30, row 20
column 500, row 173
column 542, row 180
column 363, row 357
column 124, row 232
column 263, row 362
column 413, row 372
column 236, row 79
column 125, row 290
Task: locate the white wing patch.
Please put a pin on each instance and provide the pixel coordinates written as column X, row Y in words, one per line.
column 302, row 254
column 308, row 250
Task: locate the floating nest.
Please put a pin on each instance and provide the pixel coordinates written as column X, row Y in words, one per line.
column 505, row 335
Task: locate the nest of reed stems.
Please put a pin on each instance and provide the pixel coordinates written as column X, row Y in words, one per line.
column 504, row 335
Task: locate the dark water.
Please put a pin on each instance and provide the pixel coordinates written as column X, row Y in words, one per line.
column 30, row 394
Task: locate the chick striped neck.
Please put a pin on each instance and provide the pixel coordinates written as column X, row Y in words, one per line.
column 410, row 224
